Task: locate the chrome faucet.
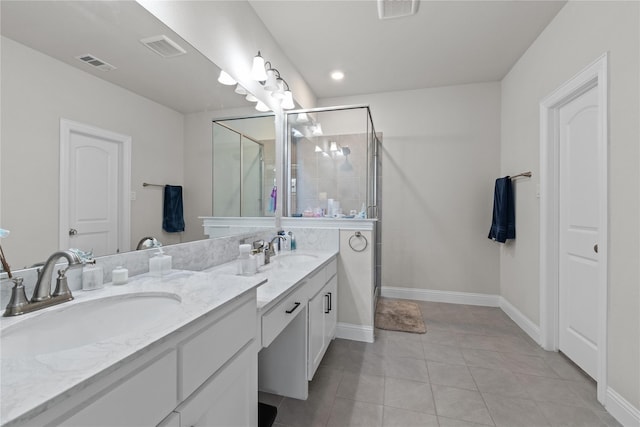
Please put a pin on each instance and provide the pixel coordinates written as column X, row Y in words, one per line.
column 269, row 251
column 42, row 296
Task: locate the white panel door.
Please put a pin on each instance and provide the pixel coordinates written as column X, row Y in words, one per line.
column 94, row 193
column 579, row 234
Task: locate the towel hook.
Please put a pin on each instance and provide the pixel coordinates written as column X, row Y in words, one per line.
column 358, row 235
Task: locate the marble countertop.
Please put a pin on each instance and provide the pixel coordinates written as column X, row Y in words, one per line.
column 283, row 274
column 31, row 385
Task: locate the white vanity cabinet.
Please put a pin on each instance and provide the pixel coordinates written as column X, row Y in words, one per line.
column 201, row 375
column 323, row 315
column 296, row 332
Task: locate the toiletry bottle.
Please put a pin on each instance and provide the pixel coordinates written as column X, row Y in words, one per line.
column 292, row 241
column 246, row 262
column 92, row 277
column 119, row 276
column 160, row 264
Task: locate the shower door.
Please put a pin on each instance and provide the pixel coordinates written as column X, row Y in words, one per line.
column 238, row 171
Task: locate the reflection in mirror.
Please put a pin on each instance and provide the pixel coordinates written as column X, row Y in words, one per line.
column 243, row 166
column 165, row 105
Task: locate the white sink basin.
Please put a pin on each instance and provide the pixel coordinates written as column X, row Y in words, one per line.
column 76, row 325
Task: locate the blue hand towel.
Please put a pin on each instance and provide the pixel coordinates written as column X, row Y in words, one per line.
column 172, row 214
column 503, row 224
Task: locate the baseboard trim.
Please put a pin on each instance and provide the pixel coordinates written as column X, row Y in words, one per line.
column 521, row 320
column 486, row 300
column 450, row 297
column 621, row 409
column 353, row 332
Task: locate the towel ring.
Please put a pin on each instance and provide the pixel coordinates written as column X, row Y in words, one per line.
column 358, row 235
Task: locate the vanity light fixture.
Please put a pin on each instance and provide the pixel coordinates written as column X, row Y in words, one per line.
column 240, row 90
column 287, row 102
column 333, row 146
column 318, row 150
column 251, row 98
column 269, row 77
column 226, row 79
column 317, row 130
column 261, row 106
column 258, row 72
column 279, row 92
column 271, row 82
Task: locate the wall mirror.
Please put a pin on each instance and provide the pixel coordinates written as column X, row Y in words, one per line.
column 115, row 67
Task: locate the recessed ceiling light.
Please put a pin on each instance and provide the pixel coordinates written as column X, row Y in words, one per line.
column 337, row 75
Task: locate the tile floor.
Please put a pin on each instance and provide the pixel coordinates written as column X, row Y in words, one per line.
column 473, row 367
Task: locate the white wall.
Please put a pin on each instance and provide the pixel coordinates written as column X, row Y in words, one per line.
column 441, row 155
column 37, row 91
column 579, row 34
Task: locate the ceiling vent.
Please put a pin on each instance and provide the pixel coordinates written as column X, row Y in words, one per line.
column 388, row 9
column 163, row 46
column 95, row 62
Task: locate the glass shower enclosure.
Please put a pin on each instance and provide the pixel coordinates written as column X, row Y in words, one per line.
column 334, row 168
column 332, row 163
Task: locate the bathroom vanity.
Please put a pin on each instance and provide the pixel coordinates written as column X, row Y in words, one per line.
column 186, row 349
column 297, row 308
column 196, row 361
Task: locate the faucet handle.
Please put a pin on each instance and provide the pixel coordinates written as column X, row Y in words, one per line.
column 18, row 298
column 62, row 287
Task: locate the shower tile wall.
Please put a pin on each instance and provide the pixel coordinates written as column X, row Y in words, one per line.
column 320, row 177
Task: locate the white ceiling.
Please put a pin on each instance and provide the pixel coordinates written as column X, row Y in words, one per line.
column 445, row 43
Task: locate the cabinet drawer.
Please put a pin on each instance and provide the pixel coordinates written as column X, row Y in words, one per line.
column 202, row 355
column 331, row 270
column 142, row 400
column 276, row 319
column 315, row 283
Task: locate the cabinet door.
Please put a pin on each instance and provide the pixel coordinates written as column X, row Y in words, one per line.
column 331, row 314
column 229, row 398
column 317, row 307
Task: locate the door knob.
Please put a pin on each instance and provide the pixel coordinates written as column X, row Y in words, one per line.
column 595, row 248
column 73, row 232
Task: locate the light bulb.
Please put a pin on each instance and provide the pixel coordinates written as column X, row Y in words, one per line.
column 226, row 79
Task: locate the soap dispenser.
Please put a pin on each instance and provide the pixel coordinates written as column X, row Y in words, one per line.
column 159, row 264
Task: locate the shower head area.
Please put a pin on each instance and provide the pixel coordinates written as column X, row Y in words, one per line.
column 332, row 163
